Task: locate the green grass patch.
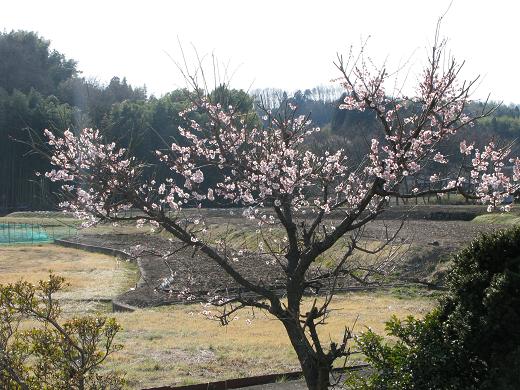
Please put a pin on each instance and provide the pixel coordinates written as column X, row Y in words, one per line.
column 498, row 218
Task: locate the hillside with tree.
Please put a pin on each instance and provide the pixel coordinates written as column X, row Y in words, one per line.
column 41, row 88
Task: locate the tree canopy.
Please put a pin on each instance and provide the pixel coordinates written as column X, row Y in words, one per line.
column 27, row 62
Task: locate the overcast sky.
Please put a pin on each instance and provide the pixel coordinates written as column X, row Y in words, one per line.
column 282, row 44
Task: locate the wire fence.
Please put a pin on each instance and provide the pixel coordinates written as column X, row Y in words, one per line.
column 27, row 233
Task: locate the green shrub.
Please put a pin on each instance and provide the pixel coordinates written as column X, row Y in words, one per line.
column 470, row 341
column 53, row 354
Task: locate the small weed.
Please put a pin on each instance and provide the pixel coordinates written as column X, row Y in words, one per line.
column 186, row 381
column 154, row 336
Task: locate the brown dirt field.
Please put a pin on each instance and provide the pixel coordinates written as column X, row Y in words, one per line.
column 420, row 245
column 193, row 270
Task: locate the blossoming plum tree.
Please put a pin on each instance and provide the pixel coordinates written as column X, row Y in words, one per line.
column 316, row 199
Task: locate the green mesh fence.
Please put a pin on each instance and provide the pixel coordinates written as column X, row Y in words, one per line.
column 12, row 233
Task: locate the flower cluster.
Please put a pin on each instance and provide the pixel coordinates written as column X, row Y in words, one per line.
column 488, row 170
column 93, row 174
column 258, row 167
column 413, row 129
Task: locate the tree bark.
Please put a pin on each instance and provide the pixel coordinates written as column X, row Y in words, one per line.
column 315, row 370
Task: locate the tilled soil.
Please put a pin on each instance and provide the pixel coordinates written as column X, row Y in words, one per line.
column 430, row 241
column 163, row 280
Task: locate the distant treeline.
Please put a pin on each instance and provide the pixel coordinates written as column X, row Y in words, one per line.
column 40, row 88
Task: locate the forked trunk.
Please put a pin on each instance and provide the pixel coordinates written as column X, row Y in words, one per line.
column 316, row 373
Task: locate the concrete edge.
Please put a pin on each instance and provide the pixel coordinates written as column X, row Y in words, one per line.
column 251, row 381
column 117, row 305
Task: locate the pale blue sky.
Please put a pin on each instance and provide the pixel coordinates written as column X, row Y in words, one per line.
column 284, row 44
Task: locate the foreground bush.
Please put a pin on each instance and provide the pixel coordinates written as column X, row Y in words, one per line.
column 54, row 354
column 471, row 341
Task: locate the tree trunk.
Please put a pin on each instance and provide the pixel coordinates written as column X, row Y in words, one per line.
column 316, row 371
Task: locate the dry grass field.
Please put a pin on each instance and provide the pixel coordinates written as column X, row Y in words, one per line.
column 176, row 344
column 91, row 276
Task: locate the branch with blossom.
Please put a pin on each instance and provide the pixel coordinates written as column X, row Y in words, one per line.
column 414, row 128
